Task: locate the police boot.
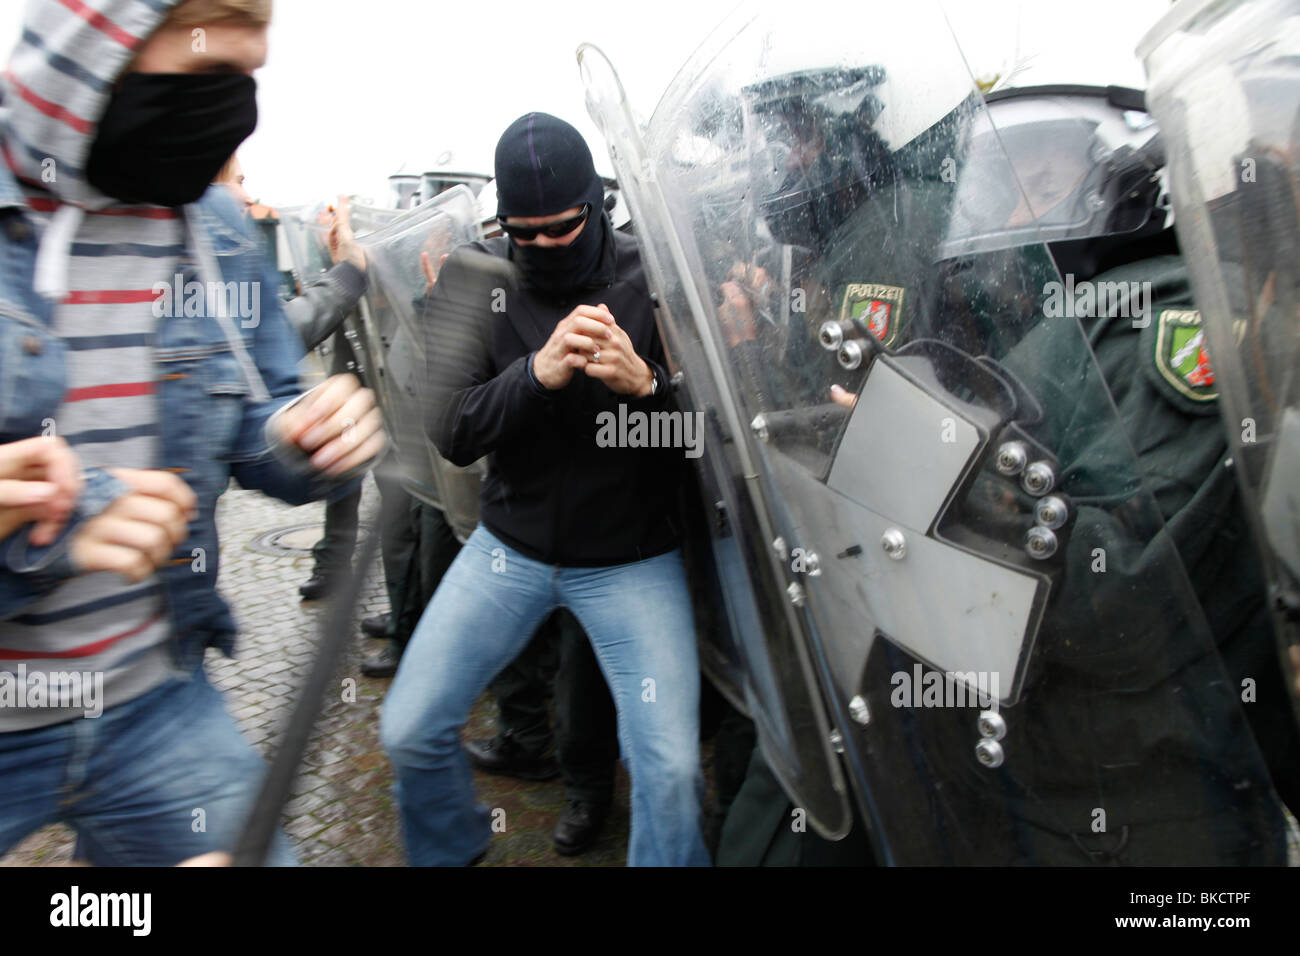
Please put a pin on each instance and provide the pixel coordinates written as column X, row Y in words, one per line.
column 502, row 755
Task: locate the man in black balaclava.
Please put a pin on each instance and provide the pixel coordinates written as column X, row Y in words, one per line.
column 576, row 509
column 526, row 192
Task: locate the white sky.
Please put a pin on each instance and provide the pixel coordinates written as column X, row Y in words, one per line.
column 358, row 89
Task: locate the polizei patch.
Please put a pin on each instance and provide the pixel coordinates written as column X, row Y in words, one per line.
column 879, row 307
column 1182, row 357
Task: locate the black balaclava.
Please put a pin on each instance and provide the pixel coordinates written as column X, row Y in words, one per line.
column 164, row 136
column 543, row 167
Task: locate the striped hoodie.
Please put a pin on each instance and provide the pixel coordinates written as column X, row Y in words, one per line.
column 100, row 260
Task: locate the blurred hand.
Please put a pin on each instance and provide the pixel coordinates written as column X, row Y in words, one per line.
column 140, row 531
column 745, row 286
column 343, row 246
column 430, row 273
column 337, row 423
column 40, row 481
column 209, row 859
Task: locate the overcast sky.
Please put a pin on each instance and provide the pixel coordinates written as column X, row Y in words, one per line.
column 358, row 89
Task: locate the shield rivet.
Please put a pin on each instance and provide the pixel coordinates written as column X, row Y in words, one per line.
column 859, row 711
column 992, row 726
column 796, row 594
column 782, row 551
column 1039, row 479
column 850, row 355
column 894, row 543
column 759, row 427
column 831, row 335
column 837, row 741
column 989, row 753
column 1012, row 457
column 812, row 565
column 1052, row 512
column 1040, row 543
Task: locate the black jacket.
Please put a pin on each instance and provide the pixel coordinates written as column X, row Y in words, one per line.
column 551, row 492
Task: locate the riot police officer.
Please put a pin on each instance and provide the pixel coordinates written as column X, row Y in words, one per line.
column 956, row 594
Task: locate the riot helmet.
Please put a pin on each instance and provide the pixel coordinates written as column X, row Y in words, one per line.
column 835, row 136
column 822, row 154
column 1079, row 167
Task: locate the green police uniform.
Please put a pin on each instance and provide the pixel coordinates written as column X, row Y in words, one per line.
column 1161, row 379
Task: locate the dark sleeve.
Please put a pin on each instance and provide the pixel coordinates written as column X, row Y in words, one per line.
column 325, row 303
column 663, row 397
column 473, row 407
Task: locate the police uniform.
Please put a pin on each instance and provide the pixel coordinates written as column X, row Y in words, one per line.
column 1161, row 378
column 1163, row 382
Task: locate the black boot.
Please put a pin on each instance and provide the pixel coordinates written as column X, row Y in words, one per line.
column 503, row 756
column 376, row 626
column 321, row 583
column 579, row 827
column 384, row 664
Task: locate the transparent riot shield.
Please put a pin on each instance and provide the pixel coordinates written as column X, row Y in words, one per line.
column 403, row 253
column 1225, row 87
column 948, row 583
column 305, row 232
column 367, row 219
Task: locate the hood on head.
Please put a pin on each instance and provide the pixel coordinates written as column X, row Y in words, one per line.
column 59, row 81
column 543, row 166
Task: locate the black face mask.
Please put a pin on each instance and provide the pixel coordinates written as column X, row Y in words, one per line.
column 564, row 268
column 164, row 136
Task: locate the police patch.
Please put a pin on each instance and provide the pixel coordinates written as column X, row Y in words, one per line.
column 879, row 307
column 1182, row 357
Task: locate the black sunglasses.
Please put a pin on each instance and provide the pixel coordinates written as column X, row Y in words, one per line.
column 552, row 230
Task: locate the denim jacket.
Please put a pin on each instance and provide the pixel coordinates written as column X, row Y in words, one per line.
column 211, row 427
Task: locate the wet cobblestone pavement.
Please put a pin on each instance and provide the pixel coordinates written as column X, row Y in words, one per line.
column 342, row 812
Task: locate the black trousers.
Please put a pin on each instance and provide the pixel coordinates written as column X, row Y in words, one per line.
column 333, row 552
column 423, row 547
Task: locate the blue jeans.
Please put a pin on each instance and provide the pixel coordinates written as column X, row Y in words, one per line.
column 133, row 781
column 638, row 617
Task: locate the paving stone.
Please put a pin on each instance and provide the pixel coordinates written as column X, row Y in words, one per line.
column 331, row 811
column 305, row 804
column 303, row 827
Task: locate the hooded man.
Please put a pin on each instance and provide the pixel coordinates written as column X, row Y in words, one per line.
column 138, row 322
column 566, row 520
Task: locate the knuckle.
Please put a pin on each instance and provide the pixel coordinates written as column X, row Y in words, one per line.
column 154, row 538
